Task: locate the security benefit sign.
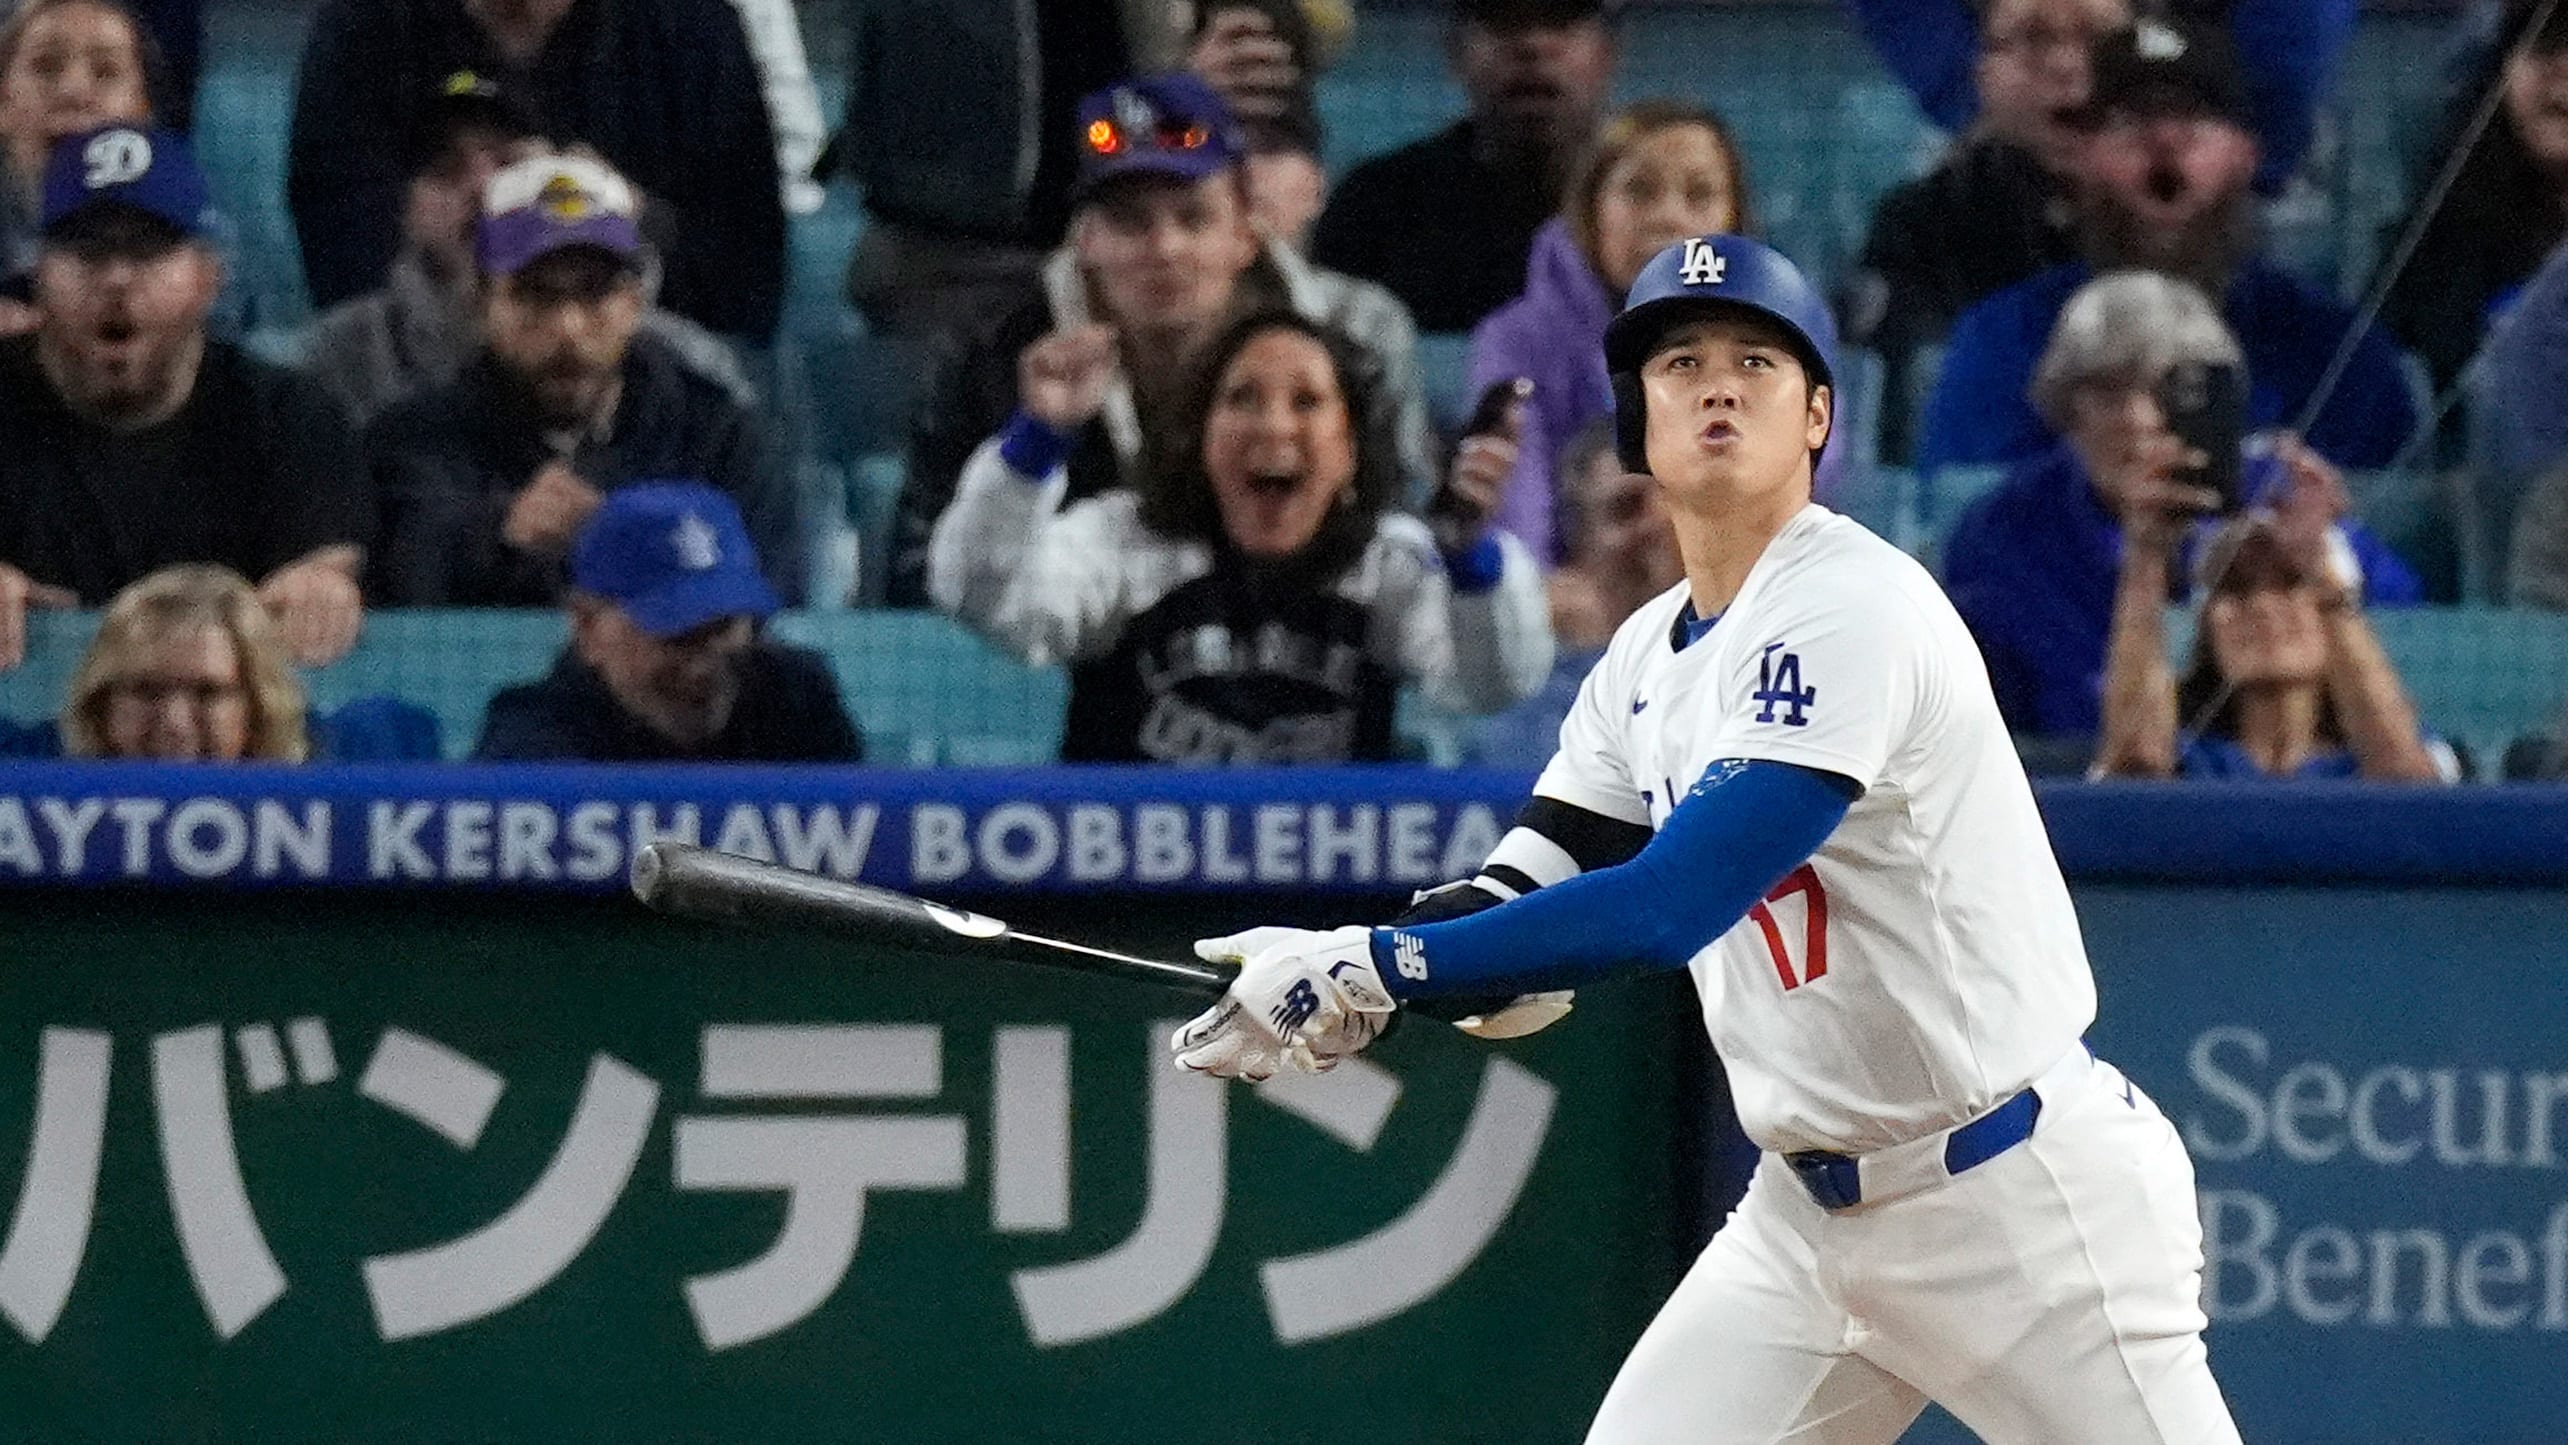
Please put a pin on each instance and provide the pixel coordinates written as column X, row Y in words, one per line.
column 2374, row 1086
column 323, row 1171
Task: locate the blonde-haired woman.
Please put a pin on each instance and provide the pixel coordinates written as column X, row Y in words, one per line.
column 66, row 66
column 1659, row 172
column 186, row 667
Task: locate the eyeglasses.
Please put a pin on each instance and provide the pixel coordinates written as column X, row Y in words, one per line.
column 1109, row 138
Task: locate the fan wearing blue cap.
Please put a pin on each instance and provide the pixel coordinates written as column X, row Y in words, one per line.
column 666, row 663
column 136, row 441
column 1788, row 776
column 1162, row 254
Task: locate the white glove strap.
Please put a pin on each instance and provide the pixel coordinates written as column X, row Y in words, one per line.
column 1533, row 855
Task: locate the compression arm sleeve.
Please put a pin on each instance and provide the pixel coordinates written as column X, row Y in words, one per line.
column 1740, row 829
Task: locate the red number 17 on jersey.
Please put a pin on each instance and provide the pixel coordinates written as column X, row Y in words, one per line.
column 1803, row 882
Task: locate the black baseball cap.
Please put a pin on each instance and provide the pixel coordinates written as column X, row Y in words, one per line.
column 463, row 102
column 2168, row 67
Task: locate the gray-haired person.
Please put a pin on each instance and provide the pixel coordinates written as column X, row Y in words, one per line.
column 2035, row 563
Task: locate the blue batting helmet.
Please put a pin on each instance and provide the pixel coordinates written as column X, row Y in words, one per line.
column 1709, row 272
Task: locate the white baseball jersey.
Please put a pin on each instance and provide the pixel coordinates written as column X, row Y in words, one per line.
column 1926, row 963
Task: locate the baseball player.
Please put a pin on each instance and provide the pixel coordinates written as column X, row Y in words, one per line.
column 1788, row 775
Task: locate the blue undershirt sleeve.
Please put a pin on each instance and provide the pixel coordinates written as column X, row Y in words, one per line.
column 1737, row 832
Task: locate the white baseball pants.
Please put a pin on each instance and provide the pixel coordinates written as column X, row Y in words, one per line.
column 2049, row 1296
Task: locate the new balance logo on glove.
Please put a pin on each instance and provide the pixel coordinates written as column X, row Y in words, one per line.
column 1301, row 1001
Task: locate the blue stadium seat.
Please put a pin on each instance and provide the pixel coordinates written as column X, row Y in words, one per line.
column 1445, row 360
column 873, row 491
column 377, row 730
column 858, row 389
column 1941, row 498
column 833, row 553
column 1884, row 499
column 929, row 693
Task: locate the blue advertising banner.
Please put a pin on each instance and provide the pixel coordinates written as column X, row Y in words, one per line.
column 2347, row 999
column 1352, row 830
column 576, row 828
column 2374, row 1086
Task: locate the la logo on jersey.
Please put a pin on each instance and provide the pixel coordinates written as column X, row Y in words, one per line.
column 1703, row 265
column 1779, row 685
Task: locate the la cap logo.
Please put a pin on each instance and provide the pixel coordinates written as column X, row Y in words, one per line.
column 1703, row 265
column 697, row 548
column 2157, row 41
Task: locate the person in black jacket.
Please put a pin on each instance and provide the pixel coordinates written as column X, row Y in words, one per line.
column 666, row 90
column 485, row 481
column 2000, row 205
column 1446, row 223
column 2508, row 207
column 130, row 440
column 665, row 662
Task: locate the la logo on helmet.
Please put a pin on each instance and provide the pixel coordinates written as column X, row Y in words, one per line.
column 1703, row 265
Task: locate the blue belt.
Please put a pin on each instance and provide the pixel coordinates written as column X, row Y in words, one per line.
column 1836, row 1182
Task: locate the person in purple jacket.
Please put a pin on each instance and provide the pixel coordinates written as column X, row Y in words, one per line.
column 1660, row 171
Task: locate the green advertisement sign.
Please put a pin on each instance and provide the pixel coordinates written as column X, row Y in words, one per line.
column 441, row 1167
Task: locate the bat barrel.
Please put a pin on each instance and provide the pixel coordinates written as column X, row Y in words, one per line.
column 687, row 881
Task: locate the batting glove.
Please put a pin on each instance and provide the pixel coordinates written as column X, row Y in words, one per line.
column 1303, row 999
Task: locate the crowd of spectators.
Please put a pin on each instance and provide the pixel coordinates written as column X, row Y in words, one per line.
column 1171, row 430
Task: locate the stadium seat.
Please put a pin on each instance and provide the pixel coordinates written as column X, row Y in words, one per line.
column 2416, row 513
column 1942, row 497
column 929, row 692
column 921, row 683
column 857, row 389
column 833, row 551
column 377, row 730
column 873, row 492
column 2528, row 758
column 1444, row 358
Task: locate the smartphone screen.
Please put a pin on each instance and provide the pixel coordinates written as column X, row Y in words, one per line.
column 1492, row 409
column 2206, row 407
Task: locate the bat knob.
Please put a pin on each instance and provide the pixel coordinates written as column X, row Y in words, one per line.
column 649, row 868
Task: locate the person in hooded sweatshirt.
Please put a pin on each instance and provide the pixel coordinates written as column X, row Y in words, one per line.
column 1660, row 171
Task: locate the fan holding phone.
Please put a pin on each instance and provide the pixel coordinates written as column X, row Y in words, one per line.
column 2149, row 390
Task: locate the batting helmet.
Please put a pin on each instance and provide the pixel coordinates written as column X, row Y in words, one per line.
column 1709, row 272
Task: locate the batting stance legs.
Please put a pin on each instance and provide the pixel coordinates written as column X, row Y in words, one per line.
column 2048, row 1295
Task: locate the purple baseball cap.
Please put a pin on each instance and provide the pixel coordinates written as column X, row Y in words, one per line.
column 549, row 203
column 673, row 555
column 142, row 168
column 1154, row 125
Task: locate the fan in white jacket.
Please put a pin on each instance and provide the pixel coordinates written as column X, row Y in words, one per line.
column 1255, row 602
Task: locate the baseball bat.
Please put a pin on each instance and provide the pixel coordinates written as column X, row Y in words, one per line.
column 686, row 881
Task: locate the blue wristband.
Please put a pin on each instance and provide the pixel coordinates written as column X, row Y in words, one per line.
column 1030, row 446
column 1477, row 568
